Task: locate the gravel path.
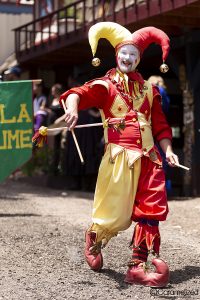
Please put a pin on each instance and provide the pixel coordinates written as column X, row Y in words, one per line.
column 42, row 240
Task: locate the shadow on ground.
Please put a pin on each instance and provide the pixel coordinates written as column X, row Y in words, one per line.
column 116, row 276
column 181, row 275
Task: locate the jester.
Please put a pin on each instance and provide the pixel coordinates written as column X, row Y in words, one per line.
column 131, row 183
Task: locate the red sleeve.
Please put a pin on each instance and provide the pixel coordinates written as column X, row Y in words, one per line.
column 90, row 95
column 160, row 127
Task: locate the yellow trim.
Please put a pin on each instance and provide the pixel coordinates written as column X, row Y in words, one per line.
column 119, row 107
column 137, row 103
column 106, row 128
column 147, row 138
column 124, row 80
column 149, row 92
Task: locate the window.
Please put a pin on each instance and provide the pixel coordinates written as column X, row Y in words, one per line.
column 45, row 7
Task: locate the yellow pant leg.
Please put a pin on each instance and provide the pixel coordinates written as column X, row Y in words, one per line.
column 114, row 196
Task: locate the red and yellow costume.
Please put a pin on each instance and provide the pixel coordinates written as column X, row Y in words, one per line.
column 121, row 193
column 131, row 182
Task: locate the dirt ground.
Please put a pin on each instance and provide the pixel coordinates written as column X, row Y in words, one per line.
column 42, row 240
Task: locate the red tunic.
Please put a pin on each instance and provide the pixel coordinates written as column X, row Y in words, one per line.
column 145, row 122
column 113, row 104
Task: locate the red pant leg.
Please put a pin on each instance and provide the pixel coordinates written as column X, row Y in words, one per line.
column 151, row 197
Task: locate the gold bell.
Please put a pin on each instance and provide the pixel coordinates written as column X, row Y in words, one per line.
column 164, row 68
column 96, row 62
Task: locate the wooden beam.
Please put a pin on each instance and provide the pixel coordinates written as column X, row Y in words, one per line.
column 186, row 11
column 168, row 20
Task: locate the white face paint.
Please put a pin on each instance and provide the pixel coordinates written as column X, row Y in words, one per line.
column 128, row 57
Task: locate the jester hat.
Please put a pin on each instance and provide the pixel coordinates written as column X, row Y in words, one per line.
column 118, row 36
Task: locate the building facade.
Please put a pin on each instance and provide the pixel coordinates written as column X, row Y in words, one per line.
column 54, row 47
column 11, row 16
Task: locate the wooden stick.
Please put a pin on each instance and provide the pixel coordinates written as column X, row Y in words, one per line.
column 183, row 167
column 89, row 125
column 74, row 136
column 77, row 146
column 37, row 81
column 77, row 126
column 94, row 125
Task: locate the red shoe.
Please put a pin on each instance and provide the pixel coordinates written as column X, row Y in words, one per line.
column 138, row 275
column 92, row 252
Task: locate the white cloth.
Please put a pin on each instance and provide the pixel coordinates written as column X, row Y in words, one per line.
column 37, row 102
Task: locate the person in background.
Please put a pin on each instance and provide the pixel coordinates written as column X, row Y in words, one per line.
column 78, row 176
column 83, row 176
column 39, row 106
column 159, row 82
column 12, row 74
column 131, row 181
column 55, row 113
column 165, row 100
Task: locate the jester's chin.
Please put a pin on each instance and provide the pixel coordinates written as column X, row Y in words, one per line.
column 125, row 67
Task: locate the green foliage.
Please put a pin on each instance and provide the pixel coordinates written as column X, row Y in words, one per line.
column 39, row 162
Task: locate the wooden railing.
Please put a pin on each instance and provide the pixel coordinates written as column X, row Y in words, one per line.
column 60, row 22
column 81, row 14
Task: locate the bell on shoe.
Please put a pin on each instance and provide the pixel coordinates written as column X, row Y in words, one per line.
column 139, row 275
column 92, row 252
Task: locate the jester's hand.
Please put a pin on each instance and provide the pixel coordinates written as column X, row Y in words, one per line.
column 71, row 110
column 172, row 159
column 71, row 118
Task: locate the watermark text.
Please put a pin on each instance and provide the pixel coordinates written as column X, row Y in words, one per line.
column 174, row 293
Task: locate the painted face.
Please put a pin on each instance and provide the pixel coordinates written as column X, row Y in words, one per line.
column 128, row 57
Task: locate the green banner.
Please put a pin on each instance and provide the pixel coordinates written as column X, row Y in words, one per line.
column 16, row 125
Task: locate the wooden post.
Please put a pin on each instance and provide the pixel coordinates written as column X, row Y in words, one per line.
column 188, row 129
